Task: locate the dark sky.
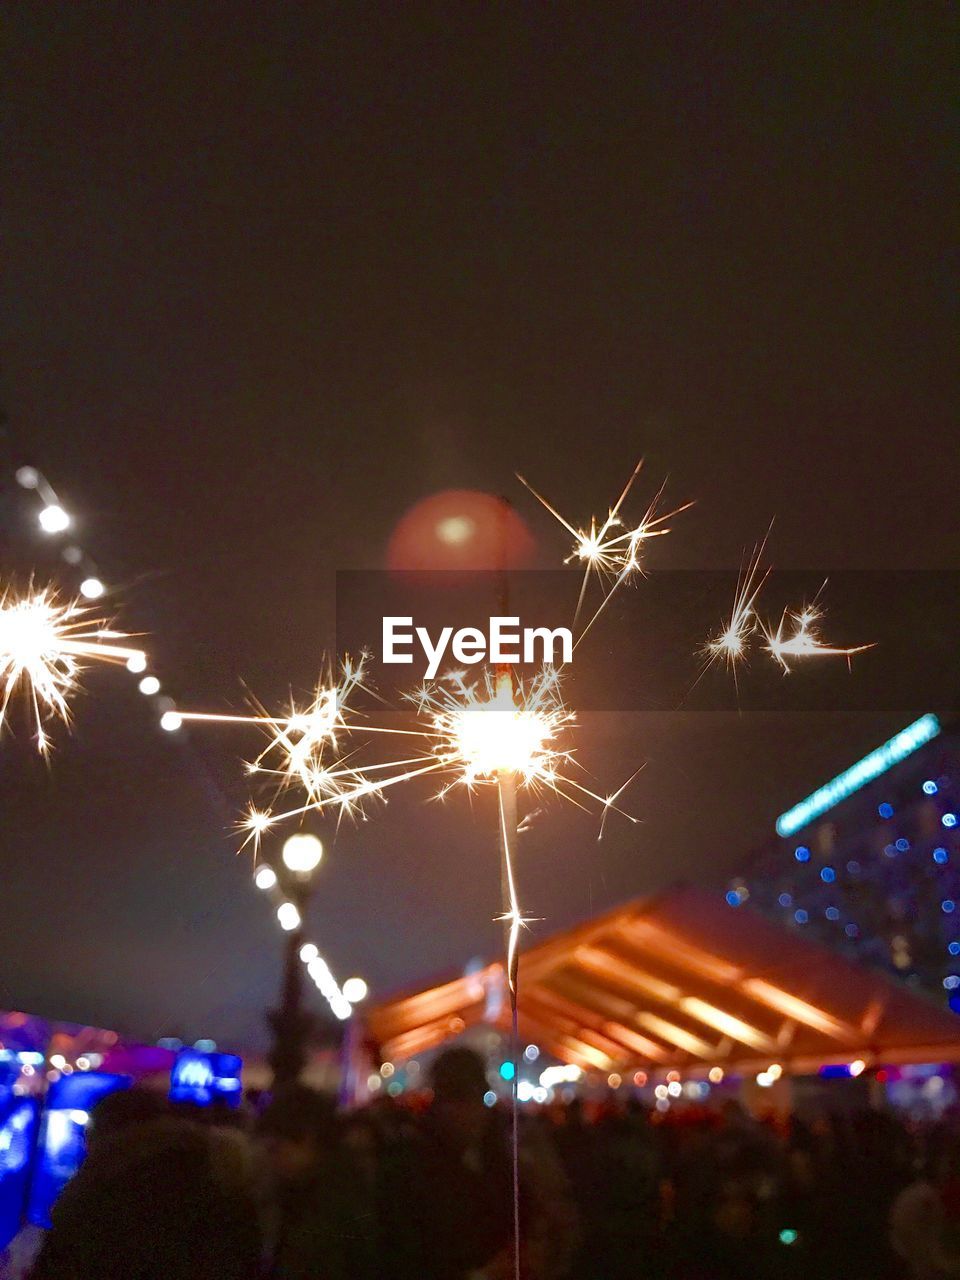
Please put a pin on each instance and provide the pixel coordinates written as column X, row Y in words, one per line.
column 272, row 273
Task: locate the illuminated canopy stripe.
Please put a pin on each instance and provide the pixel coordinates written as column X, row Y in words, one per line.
column 858, row 775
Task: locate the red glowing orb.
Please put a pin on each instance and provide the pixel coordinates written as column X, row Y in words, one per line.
column 460, row 529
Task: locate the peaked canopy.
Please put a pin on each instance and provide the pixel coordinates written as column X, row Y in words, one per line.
column 681, row 980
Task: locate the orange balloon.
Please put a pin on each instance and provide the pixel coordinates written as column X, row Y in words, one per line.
column 460, row 529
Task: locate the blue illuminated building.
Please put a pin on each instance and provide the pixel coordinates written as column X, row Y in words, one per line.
column 204, row 1078
column 62, row 1143
column 869, row 862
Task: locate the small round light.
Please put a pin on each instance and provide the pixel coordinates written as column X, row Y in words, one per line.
column 948, row 906
column 949, row 820
column 289, row 916
column 940, row 855
column 827, row 875
column 930, row 788
column 640, row 1079
column 489, row 1098
column 801, row 916
column 302, row 853
column 92, row 588
column 614, row 1080
column 674, row 1089
column 53, row 518
column 355, row 990
column 954, row 948
column 309, row 952
column 28, row 477
column 832, row 913
column 851, row 930
column 802, row 853
column 149, row 685
column 785, row 900
column 885, row 810
column 137, row 663
column 265, row 878
column 903, row 844
column 531, row 1052
column 171, row 721
column 715, row 1075
column 387, row 1070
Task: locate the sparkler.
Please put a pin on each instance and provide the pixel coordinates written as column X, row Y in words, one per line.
column 44, row 646
column 804, row 641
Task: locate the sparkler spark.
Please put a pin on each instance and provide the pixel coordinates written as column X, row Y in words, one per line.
column 804, row 640
column 611, row 549
column 731, row 643
column 44, row 646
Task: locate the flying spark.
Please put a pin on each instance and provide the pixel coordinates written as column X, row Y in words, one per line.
column 612, row 548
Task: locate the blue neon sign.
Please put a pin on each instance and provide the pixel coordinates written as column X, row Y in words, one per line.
column 858, row 775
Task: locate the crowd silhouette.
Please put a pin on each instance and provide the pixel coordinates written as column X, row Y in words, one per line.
column 423, row 1190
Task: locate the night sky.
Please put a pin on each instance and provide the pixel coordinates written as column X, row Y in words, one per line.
column 274, row 273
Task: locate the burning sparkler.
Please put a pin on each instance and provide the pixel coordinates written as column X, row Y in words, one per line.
column 44, row 646
column 804, row 640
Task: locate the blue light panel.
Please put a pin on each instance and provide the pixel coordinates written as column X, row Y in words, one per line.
column 858, row 775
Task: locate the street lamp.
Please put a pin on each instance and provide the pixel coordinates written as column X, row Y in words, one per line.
column 302, row 854
column 292, row 874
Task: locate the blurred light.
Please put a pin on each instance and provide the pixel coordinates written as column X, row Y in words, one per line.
column 857, row 1067
column 930, row 788
column 171, row 721
column 801, row 916
column 764, row 1080
column 53, row 519
column 531, row 1052
column 309, row 952
column 851, row 930
column 903, row 844
column 940, row 855
column 507, row 1070
column 394, row 1088
column 885, row 810
column 355, row 990
column 954, row 948
column 802, row 853
column 540, row 1094
column 733, row 898
column 672, row 1075
column 149, row 685
column 137, row 663
column 890, row 850
column 72, row 555
column 947, row 906
column 387, row 1069
column 58, row 1060
column 28, row 477
column 951, row 982
column 853, row 867
column 660, row 1091
column 92, row 588
column 614, row 1080
column 788, row 1236
column 675, row 1089
column 83, row 1063
column 289, row 916
column 524, row 1091
column 774, row 1071
column 342, row 1008
column 785, row 900
column 949, row 819
column 832, row 913
column 265, row 877
column 489, row 1098
column 715, row 1075
column 827, row 875
column 871, row 766
column 302, row 853
column 640, row 1079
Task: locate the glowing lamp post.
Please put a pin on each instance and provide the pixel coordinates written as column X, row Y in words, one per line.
column 291, row 1025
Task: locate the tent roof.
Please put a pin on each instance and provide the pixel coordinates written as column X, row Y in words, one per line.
column 681, row 980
